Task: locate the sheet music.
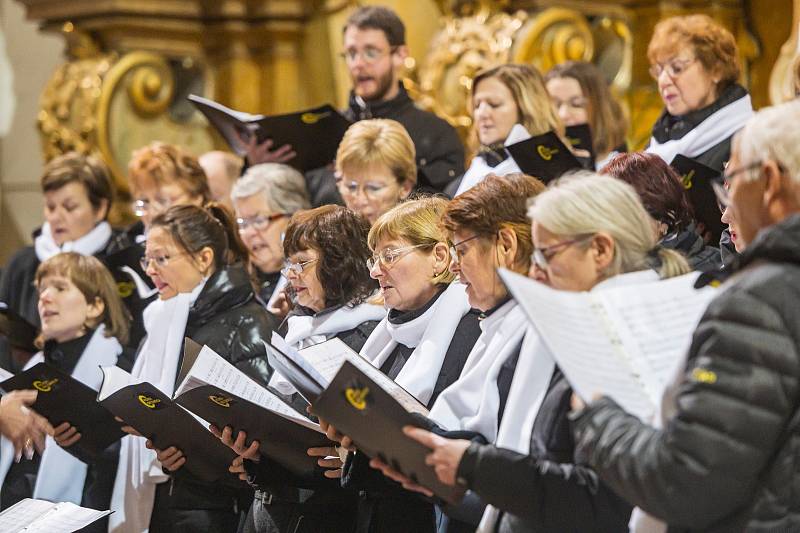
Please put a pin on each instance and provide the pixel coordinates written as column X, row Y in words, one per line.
column 625, row 342
column 39, row 516
column 5, row 374
column 318, row 361
column 114, row 379
column 211, row 369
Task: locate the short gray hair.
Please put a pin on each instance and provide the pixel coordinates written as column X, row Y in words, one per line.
column 284, row 187
column 772, row 133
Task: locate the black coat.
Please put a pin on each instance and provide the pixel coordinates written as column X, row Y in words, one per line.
column 544, row 490
column 727, row 459
column 670, row 128
column 699, row 256
column 228, row 319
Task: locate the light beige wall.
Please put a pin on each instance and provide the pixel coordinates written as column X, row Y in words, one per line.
column 33, row 57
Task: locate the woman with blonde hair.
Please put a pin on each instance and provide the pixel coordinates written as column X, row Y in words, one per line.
column 84, row 325
column 510, row 103
column 590, row 232
column 375, row 166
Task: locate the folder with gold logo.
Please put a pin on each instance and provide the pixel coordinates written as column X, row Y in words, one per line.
column 544, row 157
column 697, row 179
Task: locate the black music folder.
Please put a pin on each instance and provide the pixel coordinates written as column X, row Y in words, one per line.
column 218, row 392
column 314, row 134
column 580, row 137
column 697, row 179
column 158, row 418
column 544, row 157
column 357, row 406
column 20, row 333
column 62, row 398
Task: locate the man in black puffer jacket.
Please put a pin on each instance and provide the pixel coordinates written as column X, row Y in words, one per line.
column 728, row 458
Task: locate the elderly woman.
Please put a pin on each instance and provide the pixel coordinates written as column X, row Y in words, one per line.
column 665, row 199
column 193, row 257
column 78, row 193
column 695, row 62
column 264, row 199
column 589, row 232
column 580, row 93
column 84, row 326
column 506, row 99
column 375, row 167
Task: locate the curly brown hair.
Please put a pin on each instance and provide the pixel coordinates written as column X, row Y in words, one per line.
column 339, row 236
column 495, row 203
column 164, row 163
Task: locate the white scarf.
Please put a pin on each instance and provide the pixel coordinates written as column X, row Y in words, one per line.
column 307, row 330
column 479, row 168
column 713, row 130
column 142, row 288
column 61, row 476
column 472, row 402
column 139, row 471
column 429, row 334
column 89, row 244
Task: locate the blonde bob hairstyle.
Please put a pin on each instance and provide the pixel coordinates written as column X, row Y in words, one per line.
column 378, row 141
column 586, row 203
column 95, row 282
column 417, row 222
column 534, row 108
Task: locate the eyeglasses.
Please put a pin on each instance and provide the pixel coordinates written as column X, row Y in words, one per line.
column 161, row 261
column 258, row 222
column 369, row 55
column 387, row 258
column 722, row 184
column 673, row 68
column 577, row 102
column 455, row 253
column 351, row 188
column 295, row 268
column 541, row 256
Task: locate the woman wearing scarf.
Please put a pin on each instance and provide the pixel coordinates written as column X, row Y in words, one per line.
column 509, row 104
column 590, row 232
column 84, row 325
column 78, row 193
column 422, row 344
column 192, row 258
column 326, row 267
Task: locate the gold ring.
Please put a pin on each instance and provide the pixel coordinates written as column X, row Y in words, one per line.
column 28, row 443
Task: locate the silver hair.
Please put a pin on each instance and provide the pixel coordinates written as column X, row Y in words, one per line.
column 772, row 134
column 283, row 186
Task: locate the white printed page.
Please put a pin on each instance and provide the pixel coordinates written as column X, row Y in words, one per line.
column 5, row 374
column 211, row 369
column 614, row 341
column 39, row 516
column 114, row 379
column 320, row 361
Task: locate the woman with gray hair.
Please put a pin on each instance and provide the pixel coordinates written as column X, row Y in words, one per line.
column 264, row 199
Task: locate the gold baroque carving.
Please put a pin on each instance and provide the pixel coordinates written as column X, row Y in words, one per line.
column 554, row 36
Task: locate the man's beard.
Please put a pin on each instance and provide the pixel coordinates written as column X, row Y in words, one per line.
column 385, row 84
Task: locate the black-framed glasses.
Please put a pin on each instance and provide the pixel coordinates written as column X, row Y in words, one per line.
column 722, row 184
column 161, row 261
column 455, row 254
column 387, row 258
column 295, row 268
column 541, row 256
column 258, row 222
column 674, row 68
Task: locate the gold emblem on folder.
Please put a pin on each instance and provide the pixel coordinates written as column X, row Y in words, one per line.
column 313, row 118
column 148, row 402
column 125, row 288
column 357, row 396
column 702, row 375
column 687, row 179
column 545, row 152
column 44, row 385
column 222, row 401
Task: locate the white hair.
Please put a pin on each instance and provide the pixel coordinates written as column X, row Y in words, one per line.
column 584, row 203
column 772, row 134
column 283, row 186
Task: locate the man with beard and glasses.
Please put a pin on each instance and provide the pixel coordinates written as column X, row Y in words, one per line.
column 375, row 51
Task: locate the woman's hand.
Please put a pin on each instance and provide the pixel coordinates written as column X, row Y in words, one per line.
column 330, row 459
column 445, row 453
column 332, row 433
column 261, row 153
column 281, row 305
column 237, row 467
column 66, row 435
column 23, row 427
column 127, row 429
column 394, row 475
column 171, row 459
column 238, row 444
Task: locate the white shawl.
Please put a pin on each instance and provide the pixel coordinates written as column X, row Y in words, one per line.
column 139, row 471
column 713, row 130
column 91, row 243
column 61, row 476
column 429, row 334
column 479, row 168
